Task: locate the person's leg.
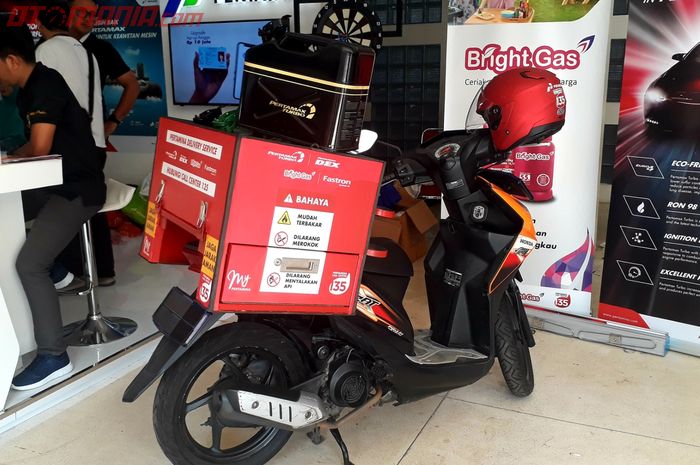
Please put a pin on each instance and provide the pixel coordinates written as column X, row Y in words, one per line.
column 71, row 257
column 60, row 276
column 55, row 225
column 102, row 246
column 32, row 202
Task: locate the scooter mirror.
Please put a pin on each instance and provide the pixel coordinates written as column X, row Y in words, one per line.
column 367, row 140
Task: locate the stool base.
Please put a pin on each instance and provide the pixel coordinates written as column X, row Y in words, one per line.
column 98, row 330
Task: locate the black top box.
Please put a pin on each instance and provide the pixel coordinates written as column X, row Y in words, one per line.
column 308, row 89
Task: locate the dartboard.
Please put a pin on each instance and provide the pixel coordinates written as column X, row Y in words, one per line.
column 349, row 21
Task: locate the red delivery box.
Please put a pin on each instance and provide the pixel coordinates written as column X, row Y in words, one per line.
column 284, row 230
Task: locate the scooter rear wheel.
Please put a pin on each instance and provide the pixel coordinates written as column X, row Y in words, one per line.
column 184, row 409
column 512, row 350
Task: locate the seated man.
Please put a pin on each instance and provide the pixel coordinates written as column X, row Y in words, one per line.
column 55, row 123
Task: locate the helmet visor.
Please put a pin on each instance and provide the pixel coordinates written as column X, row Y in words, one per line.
column 474, row 119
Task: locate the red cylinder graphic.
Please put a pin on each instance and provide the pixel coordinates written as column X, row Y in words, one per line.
column 534, row 164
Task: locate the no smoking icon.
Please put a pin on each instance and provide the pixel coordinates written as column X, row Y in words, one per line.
column 281, row 238
column 273, row 280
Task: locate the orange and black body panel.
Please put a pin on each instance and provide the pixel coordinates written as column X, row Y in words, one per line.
column 523, row 244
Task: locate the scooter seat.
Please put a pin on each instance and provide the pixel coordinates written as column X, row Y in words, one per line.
column 395, row 263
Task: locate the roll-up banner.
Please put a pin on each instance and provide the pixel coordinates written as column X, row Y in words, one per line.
column 488, row 37
column 651, row 276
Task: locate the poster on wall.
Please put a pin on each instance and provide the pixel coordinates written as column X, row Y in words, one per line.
column 137, row 38
column 651, row 276
column 488, row 37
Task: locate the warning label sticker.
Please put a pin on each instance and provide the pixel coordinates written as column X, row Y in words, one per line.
column 211, row 250
column 151, row 220
column 300, row 229
column 292, row 271
column 284, row 219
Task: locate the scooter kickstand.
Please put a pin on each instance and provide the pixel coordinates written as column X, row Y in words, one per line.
column 343, row 447
column 315, row 436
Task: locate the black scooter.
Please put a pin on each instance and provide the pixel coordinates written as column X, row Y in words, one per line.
column 234, row 394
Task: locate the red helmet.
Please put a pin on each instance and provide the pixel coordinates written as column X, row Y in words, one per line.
column 521, row 106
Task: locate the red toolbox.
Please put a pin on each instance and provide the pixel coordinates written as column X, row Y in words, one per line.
column 280, row 228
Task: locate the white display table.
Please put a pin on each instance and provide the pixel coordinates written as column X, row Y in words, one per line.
column 16, row 329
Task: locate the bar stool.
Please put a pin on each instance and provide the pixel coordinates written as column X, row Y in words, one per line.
column 96, row 328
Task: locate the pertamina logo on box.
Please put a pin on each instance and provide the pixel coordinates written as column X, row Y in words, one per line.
column 296, row 157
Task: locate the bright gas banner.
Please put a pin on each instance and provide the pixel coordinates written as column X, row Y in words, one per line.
column 488, row 37
column 651, row 276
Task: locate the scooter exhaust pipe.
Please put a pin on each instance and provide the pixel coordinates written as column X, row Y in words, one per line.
column 289, row 410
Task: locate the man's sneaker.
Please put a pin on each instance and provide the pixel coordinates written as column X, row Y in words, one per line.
column 106, row 282
column 44, row 369
column 76, row 285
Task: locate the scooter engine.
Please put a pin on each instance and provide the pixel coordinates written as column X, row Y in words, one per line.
column 349, row 385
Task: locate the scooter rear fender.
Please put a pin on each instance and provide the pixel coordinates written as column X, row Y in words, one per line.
column 182, row 322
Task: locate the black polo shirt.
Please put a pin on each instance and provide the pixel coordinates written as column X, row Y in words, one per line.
column 46, row 98
column 110, row 61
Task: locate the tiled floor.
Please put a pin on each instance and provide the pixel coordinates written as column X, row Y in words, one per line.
column 592, row 404
column 140, row 288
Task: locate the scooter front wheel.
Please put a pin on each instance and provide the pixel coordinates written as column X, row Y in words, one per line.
column 511, row 348
column 185, row 408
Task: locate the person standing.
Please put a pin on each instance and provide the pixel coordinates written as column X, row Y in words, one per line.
column 112, row 69
column 78, row 67
column 56, row 124
column 80, row 70
column 112, row 65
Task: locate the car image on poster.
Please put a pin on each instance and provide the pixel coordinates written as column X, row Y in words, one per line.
column 672, row 102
